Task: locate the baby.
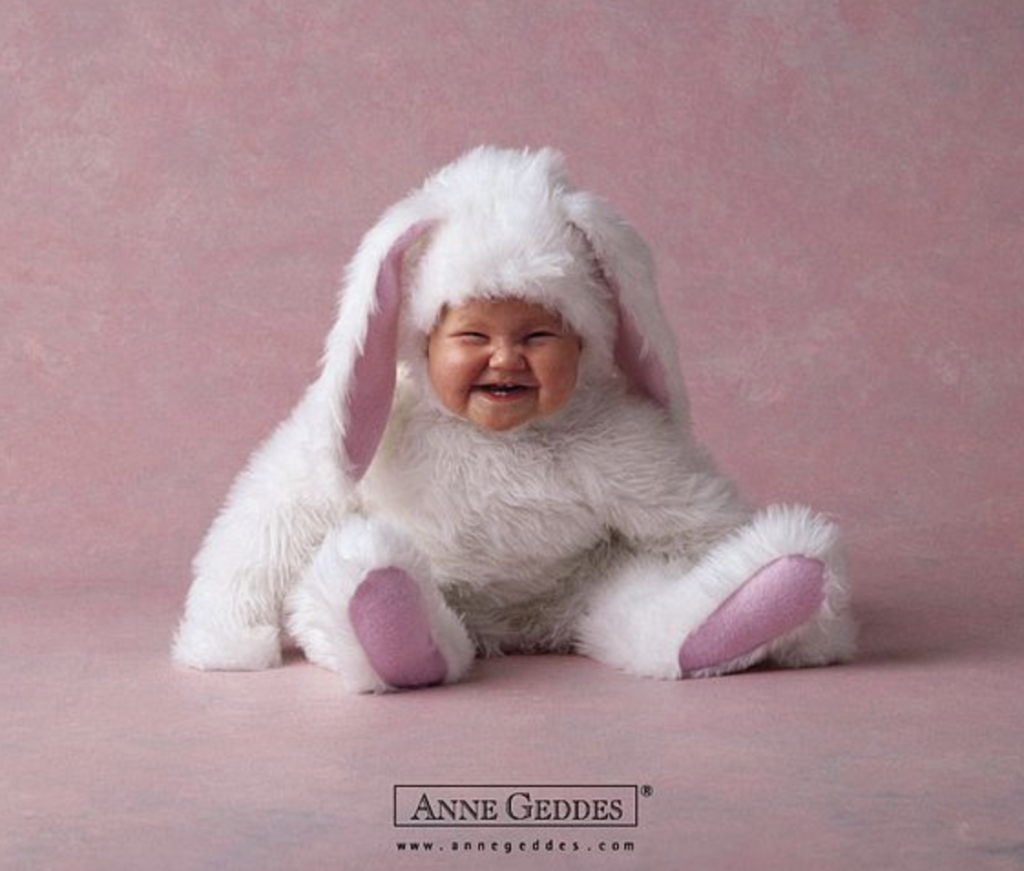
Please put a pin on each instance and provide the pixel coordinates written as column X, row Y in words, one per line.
column 497, row 457
column 502, row 363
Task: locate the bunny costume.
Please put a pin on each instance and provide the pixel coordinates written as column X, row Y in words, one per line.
column 394, row 541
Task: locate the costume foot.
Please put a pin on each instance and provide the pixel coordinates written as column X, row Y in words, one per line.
column 391, row 623
column 779, row 598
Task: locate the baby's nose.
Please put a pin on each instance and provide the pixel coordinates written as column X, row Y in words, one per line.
column 507, row 355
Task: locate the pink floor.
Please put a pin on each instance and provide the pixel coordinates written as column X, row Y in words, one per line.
column 910, row 758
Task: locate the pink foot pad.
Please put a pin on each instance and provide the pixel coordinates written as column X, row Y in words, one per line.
column 777, row 599
column 390, row 621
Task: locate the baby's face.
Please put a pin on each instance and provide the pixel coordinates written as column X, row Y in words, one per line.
column 502, row 363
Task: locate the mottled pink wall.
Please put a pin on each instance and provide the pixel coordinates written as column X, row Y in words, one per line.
column 835, row 191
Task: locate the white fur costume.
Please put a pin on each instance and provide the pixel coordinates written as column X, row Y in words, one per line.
column 603, row 529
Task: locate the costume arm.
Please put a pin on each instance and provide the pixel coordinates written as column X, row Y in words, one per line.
column 276, row 515
column 659, row 489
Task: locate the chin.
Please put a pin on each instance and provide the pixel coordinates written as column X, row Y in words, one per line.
column 501, row 425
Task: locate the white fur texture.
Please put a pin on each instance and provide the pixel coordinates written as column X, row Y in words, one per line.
column 604, row 529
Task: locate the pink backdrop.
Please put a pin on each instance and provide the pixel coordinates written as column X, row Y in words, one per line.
column 835, row 192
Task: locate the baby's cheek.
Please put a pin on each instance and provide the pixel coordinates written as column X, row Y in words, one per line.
column 568, row 373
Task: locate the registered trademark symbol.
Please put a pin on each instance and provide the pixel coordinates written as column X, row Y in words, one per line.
column 646, row 791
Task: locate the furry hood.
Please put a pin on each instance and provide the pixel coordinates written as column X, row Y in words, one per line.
column 495, row 223
column 505, row 233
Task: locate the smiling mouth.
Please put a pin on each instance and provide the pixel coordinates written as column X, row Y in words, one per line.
column 502, row 391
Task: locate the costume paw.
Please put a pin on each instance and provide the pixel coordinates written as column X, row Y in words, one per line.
column 223, row 646
column 779, row 598
column 390, row 621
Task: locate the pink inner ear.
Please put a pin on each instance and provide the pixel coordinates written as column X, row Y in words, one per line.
column 368, row 402
column 640, row 366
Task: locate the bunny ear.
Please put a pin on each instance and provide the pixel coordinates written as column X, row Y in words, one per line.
column 358, row 381
column 645, row 348
column 644, row 369
column 372, row 388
